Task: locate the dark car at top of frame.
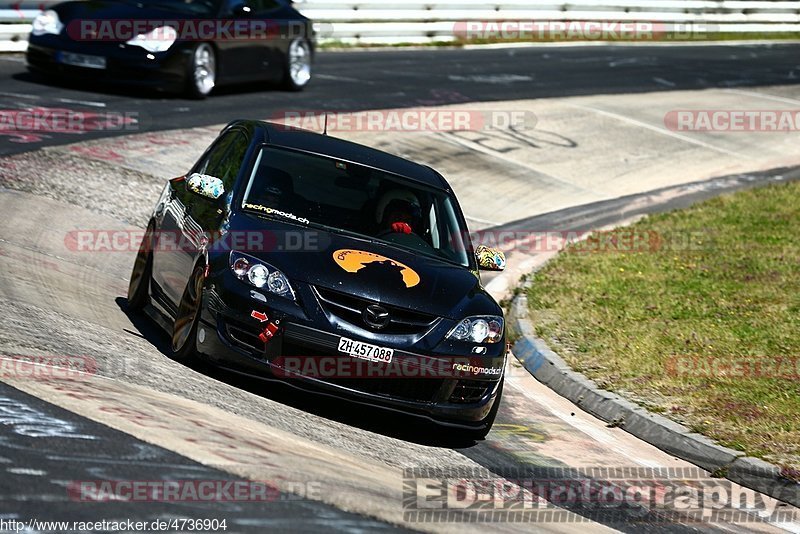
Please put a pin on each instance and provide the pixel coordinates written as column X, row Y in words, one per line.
column 291, row 255
column 184, row 46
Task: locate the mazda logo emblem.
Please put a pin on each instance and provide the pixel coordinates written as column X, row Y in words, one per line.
column 376, row 316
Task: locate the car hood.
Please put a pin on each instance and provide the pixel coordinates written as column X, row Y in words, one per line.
column 368, row 269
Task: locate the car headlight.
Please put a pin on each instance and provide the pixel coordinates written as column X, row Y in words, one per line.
column 47, row 22
column 478, row 329
column 156, row 40
column 260, row 274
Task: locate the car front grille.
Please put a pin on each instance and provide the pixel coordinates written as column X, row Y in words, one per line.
column 351, row 309
column 405, row 388
column 245, row 338
column 469, row 391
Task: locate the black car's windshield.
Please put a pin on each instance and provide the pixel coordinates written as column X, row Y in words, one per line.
column 312, row 189
column 207, row 8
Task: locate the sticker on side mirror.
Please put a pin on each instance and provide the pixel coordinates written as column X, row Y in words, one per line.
column 490, row 259
column 205, row 185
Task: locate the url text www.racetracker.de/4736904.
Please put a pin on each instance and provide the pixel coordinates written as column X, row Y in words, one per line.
column 157, row 525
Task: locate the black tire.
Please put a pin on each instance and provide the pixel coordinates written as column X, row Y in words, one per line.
column 184, row 330
column 201, row 76
column 488, row 421
column 139, row 284
column 297, row 65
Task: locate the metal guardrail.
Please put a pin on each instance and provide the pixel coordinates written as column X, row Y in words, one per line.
column 414, row 21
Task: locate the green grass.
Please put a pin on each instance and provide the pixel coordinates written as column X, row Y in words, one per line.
column 719, row 286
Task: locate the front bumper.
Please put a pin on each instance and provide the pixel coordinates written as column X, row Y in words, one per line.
column 304, row 353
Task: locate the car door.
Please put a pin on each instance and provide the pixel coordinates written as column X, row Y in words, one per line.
column 183, row 237
column 245, row 54
column 273, row 14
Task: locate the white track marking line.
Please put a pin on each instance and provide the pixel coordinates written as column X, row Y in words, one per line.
column 18, row 95
column 594, row 431
column 89, row 103
column 482, row 221
column 765, row 96
column 466, row 143
column 661, row 131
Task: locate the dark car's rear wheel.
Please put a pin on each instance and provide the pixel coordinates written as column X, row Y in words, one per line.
column 139, row 285
column 297, row 70
column 202, row 75
column 184, row 331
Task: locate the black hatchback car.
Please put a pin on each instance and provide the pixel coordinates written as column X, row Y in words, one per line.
column 187, row 46
column 287, row 254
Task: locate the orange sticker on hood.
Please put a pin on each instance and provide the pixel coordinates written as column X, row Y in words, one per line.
column 353, row 261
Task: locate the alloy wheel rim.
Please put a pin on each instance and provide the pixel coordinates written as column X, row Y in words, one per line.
column 204, row 69
column 139, row 268
column 187, row 314
column 299, row 62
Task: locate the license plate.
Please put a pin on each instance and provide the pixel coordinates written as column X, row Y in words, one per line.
column 82, row 60
column 365, row 351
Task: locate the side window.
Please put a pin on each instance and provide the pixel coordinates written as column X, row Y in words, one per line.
column 224, row 162
column 234, row 159
column 262, row 6
column 225, row 159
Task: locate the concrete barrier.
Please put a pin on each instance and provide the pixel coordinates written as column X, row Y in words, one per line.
column 413, row 21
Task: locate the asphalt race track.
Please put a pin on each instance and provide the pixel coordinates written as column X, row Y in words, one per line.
column 399, row 78
column 330, row 465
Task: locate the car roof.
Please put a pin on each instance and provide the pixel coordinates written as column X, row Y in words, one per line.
column 306, row 140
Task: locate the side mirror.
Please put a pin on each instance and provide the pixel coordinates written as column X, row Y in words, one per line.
column 490, row 259
column 205, row 185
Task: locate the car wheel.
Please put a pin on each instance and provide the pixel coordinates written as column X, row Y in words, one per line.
column 202, row 76
column 297, row 70
column 184, row 330
column 488, row 421
column 139, row 285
